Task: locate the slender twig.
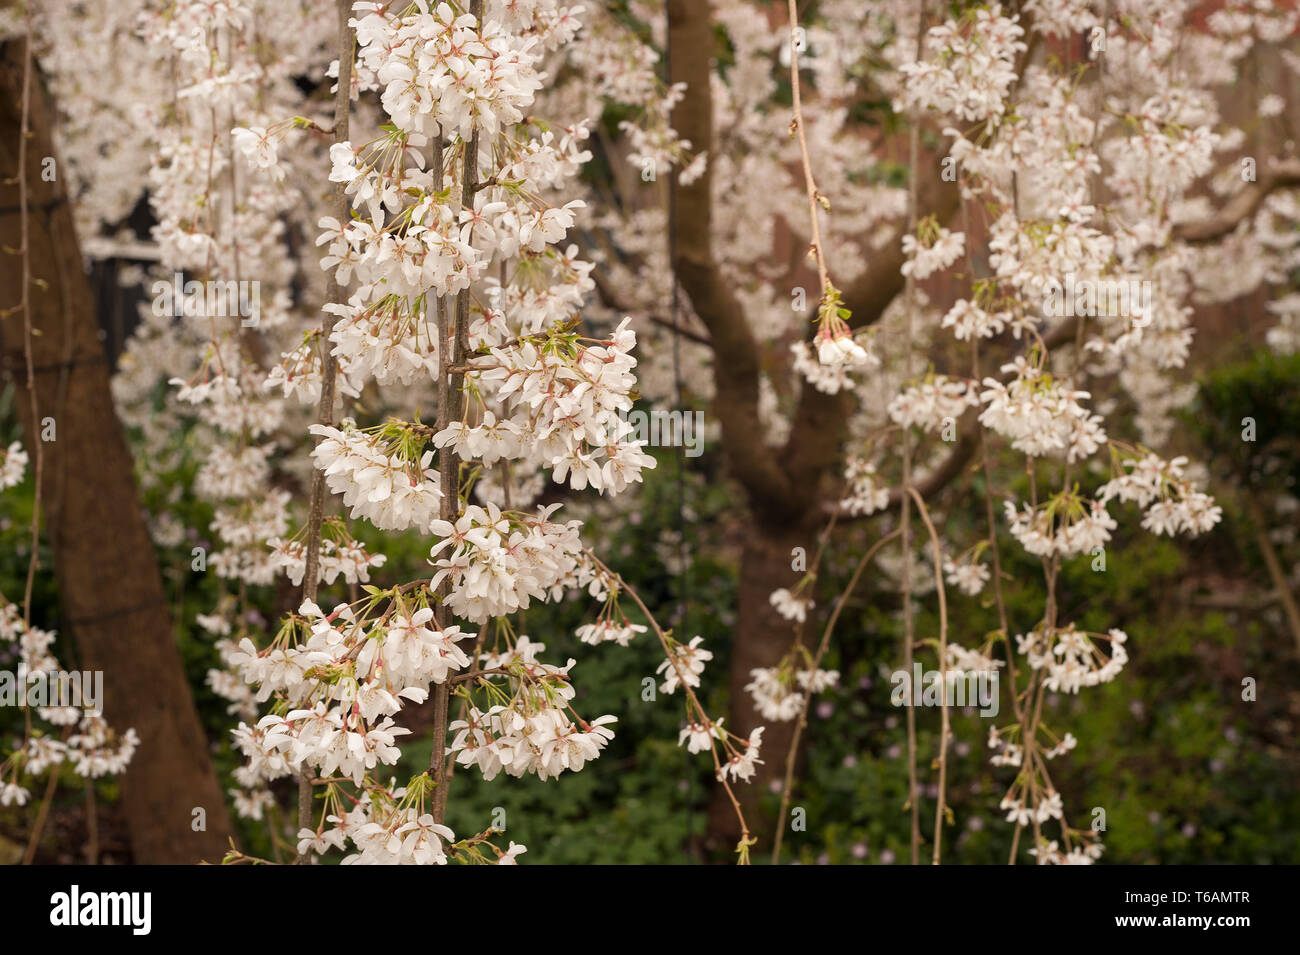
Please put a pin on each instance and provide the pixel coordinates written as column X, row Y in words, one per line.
column 34, row 840
column 449, row 468
column 92, row 825
column 25, row 304
column 909, row 634
column 943, row 672
column 1275, row 571
column 692, row 700
column 469, row 675
column 797, row 125
column 447, row 506
column 802, row 722
column 329, row 370
column 991, row 521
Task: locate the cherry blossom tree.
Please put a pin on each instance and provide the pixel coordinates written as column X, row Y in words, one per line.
column 901, row 253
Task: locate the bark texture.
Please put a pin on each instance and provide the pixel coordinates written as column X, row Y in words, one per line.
column 113, row 602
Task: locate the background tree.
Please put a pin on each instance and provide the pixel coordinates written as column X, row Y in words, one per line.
column 112, row 600
column 939, row 163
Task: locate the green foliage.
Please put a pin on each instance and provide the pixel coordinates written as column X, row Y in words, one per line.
column 1185, row 770
column 1261, row 394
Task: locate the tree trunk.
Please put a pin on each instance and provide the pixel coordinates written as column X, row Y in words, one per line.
column 112, row 595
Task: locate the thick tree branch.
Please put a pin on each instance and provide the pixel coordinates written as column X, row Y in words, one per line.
column 111, row 593
column 688, row 333
column 1242, row 206
column 611, row 299
column 736, row 372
